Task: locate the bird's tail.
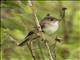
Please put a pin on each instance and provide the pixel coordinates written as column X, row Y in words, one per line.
column 23, row 42
column 30, row 36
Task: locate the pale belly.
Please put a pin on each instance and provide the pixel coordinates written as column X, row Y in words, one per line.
column 50, row 29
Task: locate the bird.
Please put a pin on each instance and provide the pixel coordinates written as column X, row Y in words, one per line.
column 49, row 25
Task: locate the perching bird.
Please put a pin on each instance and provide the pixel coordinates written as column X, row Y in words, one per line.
column 49, row 25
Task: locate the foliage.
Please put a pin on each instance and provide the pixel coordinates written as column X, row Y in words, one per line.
column 17, row 21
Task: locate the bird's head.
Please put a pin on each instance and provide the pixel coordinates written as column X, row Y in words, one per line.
column 50, row 19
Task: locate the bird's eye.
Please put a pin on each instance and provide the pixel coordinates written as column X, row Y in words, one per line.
column 51, row 19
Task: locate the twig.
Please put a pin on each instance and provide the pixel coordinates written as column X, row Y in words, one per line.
column 39, row 28
column 50, row 53
column 30, row 48
column 41, row 50
column 54, row 55
column 34, row 16
column 62, row 15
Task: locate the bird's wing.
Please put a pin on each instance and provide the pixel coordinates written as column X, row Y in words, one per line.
column 42, row 23
column 31, row 35
column 26, row 38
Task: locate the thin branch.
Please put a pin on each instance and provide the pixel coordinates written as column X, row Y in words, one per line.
column 34, row 16
column 50, row 53
column 30, row 48
column 43, row 58
column 39, row 27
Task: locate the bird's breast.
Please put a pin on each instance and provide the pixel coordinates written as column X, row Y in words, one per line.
column 50, row 28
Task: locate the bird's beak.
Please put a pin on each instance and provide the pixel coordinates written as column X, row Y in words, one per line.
column 59, row 20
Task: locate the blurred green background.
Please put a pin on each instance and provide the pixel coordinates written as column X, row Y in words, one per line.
column 17, row 21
